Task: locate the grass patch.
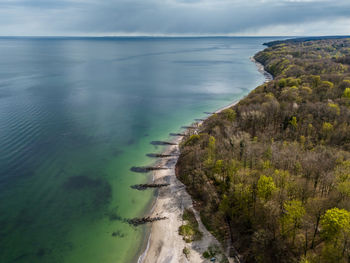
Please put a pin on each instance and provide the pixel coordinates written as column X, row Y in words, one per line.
column 189, row 230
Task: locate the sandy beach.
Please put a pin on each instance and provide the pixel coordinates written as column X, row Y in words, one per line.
column 165, row 245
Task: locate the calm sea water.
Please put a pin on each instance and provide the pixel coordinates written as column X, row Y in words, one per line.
column 76, row 114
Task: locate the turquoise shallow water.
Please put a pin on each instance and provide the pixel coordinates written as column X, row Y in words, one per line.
column 76, row 114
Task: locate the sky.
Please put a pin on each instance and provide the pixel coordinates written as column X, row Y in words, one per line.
column 174, row 17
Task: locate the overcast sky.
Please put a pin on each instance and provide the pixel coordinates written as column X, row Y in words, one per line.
column 174, row 17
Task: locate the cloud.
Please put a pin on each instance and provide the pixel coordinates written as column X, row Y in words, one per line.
column 174, row 17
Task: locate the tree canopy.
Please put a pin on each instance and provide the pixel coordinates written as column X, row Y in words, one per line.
column 271, row 175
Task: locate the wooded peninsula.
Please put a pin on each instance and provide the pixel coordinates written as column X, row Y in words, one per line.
column 270, row 176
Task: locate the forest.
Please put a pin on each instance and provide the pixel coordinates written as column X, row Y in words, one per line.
column 270, row 176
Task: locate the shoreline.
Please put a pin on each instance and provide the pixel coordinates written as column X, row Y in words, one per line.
column 164, row 244
column 268, row 76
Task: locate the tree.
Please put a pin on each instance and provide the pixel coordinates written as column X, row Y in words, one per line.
column 327, row 129
column 316, row 207
column 346, row 93
column 336, row 229
column 211, row 151
column 229, row 114
column 335, row 222
column 211, row 146
column 335, row 108
column 219, row 169
column 294, row 122
column 192, row 140
column 316, row 80
column 266, row 187
column 294, row 213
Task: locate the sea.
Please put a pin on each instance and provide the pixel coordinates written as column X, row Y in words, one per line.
column 77, row 113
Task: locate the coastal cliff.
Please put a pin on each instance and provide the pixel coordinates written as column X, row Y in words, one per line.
column 270, row 175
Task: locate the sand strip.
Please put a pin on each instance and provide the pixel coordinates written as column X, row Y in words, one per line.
column 165, row 245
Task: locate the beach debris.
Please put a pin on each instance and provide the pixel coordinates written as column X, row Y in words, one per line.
column 144, row 220
column 162, row 143
column 177, row 134
column 146, row 169
column 158, row 155
column 145, row 186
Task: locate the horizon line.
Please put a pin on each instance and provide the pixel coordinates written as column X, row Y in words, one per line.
column 170, row 36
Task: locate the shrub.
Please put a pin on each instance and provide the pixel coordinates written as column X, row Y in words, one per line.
column 186, row 251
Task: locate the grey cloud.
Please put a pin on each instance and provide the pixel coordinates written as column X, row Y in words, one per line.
column 89, row 17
